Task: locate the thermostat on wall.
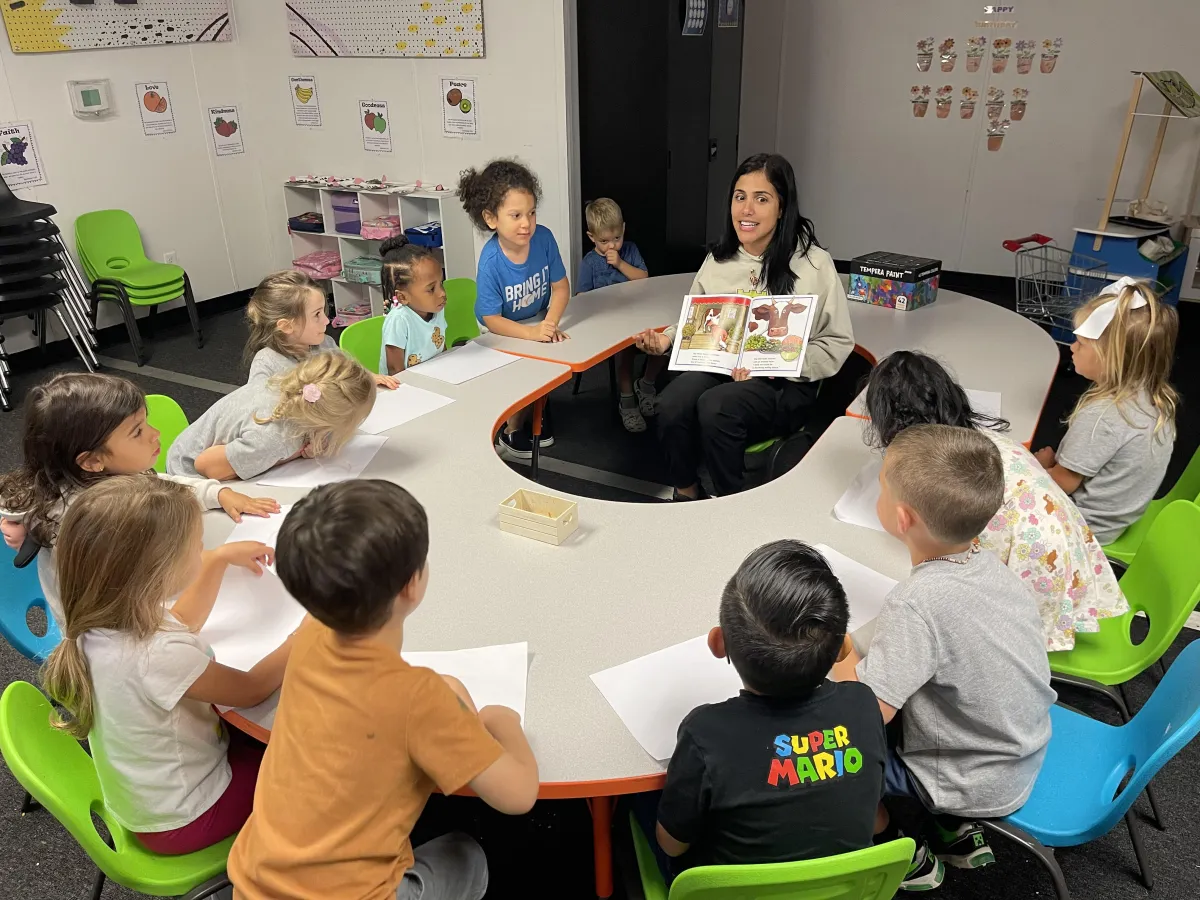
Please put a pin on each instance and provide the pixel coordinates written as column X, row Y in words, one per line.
column 91, row 99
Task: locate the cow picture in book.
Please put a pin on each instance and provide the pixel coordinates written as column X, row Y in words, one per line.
column 776, row 316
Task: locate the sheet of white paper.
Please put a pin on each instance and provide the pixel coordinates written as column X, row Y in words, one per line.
column 464, row 363
column 857, row 505
column 405, row 403
column 493, row 675
column 254, row 528
column 252, row 616
column 651, row 695
column 986, row 402
column 311, row 473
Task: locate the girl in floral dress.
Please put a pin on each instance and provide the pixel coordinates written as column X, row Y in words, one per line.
column 1038, row 533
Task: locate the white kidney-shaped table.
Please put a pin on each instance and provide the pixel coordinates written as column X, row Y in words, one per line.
column 635, row 577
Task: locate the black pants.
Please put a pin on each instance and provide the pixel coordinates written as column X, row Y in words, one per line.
column 717, row 417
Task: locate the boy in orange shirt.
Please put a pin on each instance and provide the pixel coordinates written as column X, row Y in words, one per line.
column 361, row 738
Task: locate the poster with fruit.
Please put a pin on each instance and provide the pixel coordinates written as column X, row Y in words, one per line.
column 155, row 108
column 306, row 102
column 49, row 26
column 226, row 132
column 20, row 163
column 459, row 117
column 376, row 124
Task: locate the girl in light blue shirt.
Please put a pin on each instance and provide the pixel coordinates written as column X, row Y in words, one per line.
column 414, row 331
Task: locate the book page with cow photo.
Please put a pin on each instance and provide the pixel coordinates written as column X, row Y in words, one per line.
column 720, row 333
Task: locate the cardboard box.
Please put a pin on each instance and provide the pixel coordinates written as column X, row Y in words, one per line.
column 894, row 280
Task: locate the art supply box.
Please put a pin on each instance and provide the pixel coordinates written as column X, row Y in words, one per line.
column 894, row 280
column 543, row 517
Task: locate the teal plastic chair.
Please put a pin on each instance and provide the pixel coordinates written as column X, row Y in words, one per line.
column 1082, row 791
column 54, row 768
column 461, row 324
column 364, row 342
column 1125, row 547
column 166, row 415
column 871, row 874
column 20, row 591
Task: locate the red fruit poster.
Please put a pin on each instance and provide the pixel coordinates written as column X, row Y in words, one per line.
column 226, row 130
column 375, row 122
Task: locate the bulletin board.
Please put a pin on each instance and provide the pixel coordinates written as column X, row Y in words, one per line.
column 411, row 28
column 46, row 26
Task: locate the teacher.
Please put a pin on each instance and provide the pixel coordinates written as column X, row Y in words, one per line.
column 768, row 248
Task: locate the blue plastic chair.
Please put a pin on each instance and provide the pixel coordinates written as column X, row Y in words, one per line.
column 20, row 592
column 1077, row 797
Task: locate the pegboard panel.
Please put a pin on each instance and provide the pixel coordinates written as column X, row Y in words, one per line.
column 413, row 28
column 45, row 26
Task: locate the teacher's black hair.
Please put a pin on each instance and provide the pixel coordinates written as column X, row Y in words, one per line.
column 792, row 231
column 910, row 388
column 784, row 615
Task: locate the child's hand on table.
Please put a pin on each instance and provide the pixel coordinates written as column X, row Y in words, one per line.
column 238, row 505
column 1046, row 458
column 14, row 533
column 387, row 381
column 546, row 333
column 252, row 555
column 653, row 342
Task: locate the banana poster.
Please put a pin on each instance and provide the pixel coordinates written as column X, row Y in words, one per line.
column 306, row 102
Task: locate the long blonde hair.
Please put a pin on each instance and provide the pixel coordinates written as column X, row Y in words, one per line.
column 344, row 395
column 1136, row 352
column 279, row 296
column 118, row 560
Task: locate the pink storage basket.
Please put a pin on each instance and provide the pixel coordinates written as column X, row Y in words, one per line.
column 382, row 228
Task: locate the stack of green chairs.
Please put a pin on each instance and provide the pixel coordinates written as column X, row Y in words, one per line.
column 110, row 248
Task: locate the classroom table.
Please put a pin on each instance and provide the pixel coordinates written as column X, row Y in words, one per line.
column 634, row 578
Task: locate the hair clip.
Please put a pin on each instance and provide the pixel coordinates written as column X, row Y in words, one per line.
column 311, row 393
column 1093, row 326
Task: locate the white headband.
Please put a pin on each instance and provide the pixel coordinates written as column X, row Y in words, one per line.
column 1093, row 326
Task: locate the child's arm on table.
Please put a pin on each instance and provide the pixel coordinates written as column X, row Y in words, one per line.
column 224, row 686
column 196, row 602
column 212, row 496
column 540, row 331
column 510, row 784
column 560, row 296
column 845, row 670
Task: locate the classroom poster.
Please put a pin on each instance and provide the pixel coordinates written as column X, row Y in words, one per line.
column 728, row 13
column 375, row 122
column 49, row 26
column 155, row 108
column 459, row 116
column 226, row 132
column 20, row 163
column 409, row 28
column 306, row 101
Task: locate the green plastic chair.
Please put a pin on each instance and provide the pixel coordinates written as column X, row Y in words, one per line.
column 110, row 248
column 54, row 768
column 871, row 874
column 166, row 415
column 364, row 341
column 461, row 324
column 1186, row 488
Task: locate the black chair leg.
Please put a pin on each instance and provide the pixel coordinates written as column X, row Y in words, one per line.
column 1138, row 850
column 98, row 885
column 189, row 300
column 151, row 321
column 1158, row 817
column 28, row 805
column 1096, row 687
column 1044, row 854
column 578, row 381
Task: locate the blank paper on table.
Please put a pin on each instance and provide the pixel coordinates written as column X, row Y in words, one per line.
column 394, row 408
column 464, row 363
column 493, row 676
column 252, row 616
column 857, row 505
column 311, row 473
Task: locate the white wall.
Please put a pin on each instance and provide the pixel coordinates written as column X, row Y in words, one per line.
column 762, row 57
column 225, row 218
column 873, row 177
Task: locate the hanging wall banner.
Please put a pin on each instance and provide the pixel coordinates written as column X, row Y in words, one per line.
column 306, row 102
column 459, row 116
column 155, row 107
column 226, row 130
column 20, row 162
column 376, row 125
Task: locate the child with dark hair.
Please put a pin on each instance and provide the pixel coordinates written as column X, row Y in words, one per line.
column 414, row 330
column 792, row 767
column 521, row 272
column 361, row 738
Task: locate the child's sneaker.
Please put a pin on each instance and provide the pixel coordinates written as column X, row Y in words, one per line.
column 647, row 398
column 517, row 444
column 631, row 416
column 964, row 848
column 926, row 872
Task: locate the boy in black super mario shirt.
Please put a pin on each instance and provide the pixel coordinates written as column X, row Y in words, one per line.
column 791, row 768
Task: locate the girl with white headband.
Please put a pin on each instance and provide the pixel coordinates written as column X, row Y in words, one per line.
column 1121, row 432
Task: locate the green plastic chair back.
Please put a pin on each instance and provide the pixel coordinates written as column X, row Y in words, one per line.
column 1186, row 488
column 60, row 776
column 112, row 246
column 364, row 341
column 165, row 414
column 1163, row 581
column 461, row 324
column 871, row 874
column 763, row 445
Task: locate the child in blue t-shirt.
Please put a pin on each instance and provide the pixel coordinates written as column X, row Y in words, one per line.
column 616, row 261
column 414, row 330
column 521, row 272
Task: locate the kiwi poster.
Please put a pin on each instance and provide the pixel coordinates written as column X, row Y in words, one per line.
column 459, row 118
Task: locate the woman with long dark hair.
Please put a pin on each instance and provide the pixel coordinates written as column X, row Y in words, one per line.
column 767, row 248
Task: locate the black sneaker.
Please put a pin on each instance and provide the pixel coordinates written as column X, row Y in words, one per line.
column 518, row 444
column 926, row 872
column 964, row 848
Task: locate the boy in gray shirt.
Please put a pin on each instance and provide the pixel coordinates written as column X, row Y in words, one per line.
column 958, row 647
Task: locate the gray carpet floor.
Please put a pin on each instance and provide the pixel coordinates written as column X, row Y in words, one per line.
column 548, row 853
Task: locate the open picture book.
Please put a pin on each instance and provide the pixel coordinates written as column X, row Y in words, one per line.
column 722, row 332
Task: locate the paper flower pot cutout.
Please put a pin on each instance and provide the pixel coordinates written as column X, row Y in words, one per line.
column 976, row 47
column 920, row 100
column 924, row 54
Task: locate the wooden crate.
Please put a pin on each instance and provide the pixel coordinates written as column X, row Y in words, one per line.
column 542, row 517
